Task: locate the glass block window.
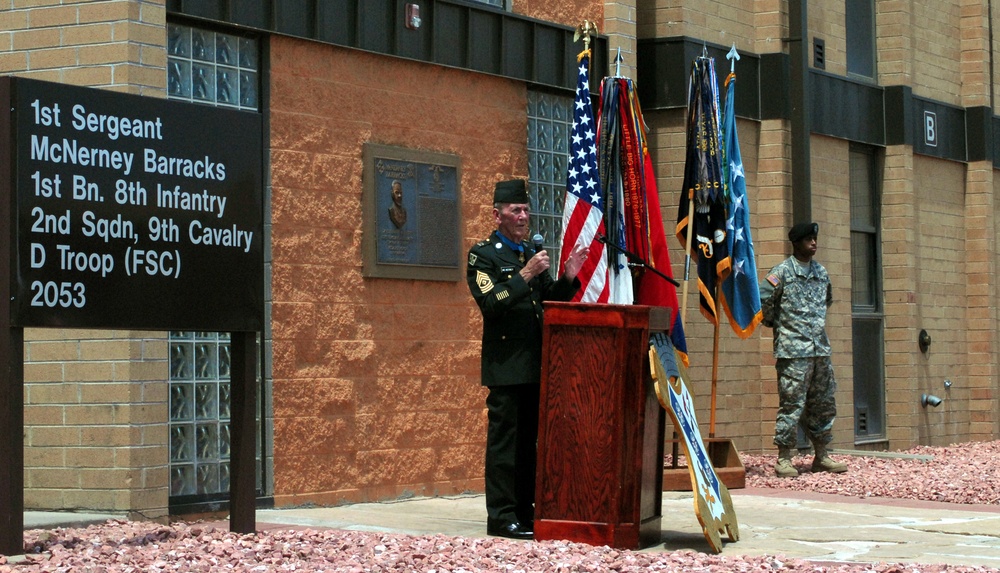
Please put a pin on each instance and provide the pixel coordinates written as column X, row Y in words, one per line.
column 211, row 67
column 550, row 119
column 199, row 413
column 223, row 70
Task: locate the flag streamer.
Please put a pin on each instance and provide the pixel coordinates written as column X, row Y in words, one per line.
column 619, row 176
column 611, row 192
column 702, row 202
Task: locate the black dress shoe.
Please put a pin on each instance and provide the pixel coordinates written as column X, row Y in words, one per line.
column 511, row 530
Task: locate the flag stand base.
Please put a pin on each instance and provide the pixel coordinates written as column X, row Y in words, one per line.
column 725, row 459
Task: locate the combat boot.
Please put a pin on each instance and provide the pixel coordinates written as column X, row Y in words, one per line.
column 822, row 462
column 784, row 468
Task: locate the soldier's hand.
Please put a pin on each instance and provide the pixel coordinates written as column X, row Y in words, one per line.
column 575, row 260
column 536, row 265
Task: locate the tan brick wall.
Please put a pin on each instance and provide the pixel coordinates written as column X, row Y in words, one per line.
column 979, row 389
column 974, row 63
column 95, row 412
column 894, row 59
column 942, row 282
column 95, row 401
column 831, row 206
column 720, row 23
column 827, row 21
column 937, row 53
column 900, row 288
column 619, row 25
column 115, row 44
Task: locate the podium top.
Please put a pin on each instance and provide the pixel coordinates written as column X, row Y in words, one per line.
column 655, row 318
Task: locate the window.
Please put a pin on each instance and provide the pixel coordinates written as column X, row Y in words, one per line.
column 199, row 413
column 211, row 67
column 867, row 321
column 860, row 23
column 864, row 232
column 550, row 120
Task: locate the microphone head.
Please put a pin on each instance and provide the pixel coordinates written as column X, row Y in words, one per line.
column 538, row 240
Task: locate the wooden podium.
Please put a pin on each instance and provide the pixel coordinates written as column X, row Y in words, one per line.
column 600, row 434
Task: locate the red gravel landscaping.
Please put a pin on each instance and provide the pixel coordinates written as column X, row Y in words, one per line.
column 960, row 474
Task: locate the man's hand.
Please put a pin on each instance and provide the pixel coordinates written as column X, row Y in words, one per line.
column 536, row 265
column 575, row 260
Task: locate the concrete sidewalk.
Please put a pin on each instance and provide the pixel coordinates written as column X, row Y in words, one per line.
column 817, row 527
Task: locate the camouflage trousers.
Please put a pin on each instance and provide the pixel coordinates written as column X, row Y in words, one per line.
column 806, row 389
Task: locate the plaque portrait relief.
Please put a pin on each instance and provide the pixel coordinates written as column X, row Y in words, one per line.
column 397, row 212
column 411, row 214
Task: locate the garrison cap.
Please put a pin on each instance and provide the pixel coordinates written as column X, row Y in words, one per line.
column 511, row 191
column 803, row 230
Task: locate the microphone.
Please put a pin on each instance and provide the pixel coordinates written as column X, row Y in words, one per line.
column 538, row 240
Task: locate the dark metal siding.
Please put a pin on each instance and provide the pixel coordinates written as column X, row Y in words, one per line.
column 664, row 69
column 452, row 33
column 847, row 109
column 842, row 107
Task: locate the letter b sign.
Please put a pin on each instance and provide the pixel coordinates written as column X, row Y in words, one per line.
column 930, row 129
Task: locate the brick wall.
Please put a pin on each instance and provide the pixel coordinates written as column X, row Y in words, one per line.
column 720, row 23
column 95, row 401
column 942, row 300
column 619, row 25
column 831, row 188
column 95, row 412
column 117, row 44
column 899, row 281
column 376, row 381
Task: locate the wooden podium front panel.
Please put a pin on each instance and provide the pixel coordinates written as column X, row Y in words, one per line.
column 600, row 439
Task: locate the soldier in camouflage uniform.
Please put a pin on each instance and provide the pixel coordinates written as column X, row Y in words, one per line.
column 794, row 297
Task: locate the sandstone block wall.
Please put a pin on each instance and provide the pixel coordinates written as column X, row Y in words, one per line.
column 376, row 381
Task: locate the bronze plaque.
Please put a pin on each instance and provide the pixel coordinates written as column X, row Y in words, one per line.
column 411, row 214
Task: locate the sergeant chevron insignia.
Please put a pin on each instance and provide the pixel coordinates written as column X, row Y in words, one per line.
column 484, row 281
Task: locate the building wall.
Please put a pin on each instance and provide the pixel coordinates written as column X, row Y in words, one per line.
column 831, row 209
column 95, row 401
column 938, row 226
column 376, row 389
column 376, row 381
column 114, row 44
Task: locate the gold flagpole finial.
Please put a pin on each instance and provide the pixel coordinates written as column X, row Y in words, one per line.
column 584, row 31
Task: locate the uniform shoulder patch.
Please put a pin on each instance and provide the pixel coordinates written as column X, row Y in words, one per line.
column 473, row 257
column 773, row 279
column 484, row 282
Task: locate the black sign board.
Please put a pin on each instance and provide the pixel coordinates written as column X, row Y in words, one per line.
column 134, row 212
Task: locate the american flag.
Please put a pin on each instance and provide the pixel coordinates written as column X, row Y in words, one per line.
column 583, row 212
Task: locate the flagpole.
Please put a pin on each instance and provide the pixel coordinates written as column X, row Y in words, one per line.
column 687, row 260
column 715, row 362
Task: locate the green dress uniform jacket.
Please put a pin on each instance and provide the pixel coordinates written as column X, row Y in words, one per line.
column 512, row 310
